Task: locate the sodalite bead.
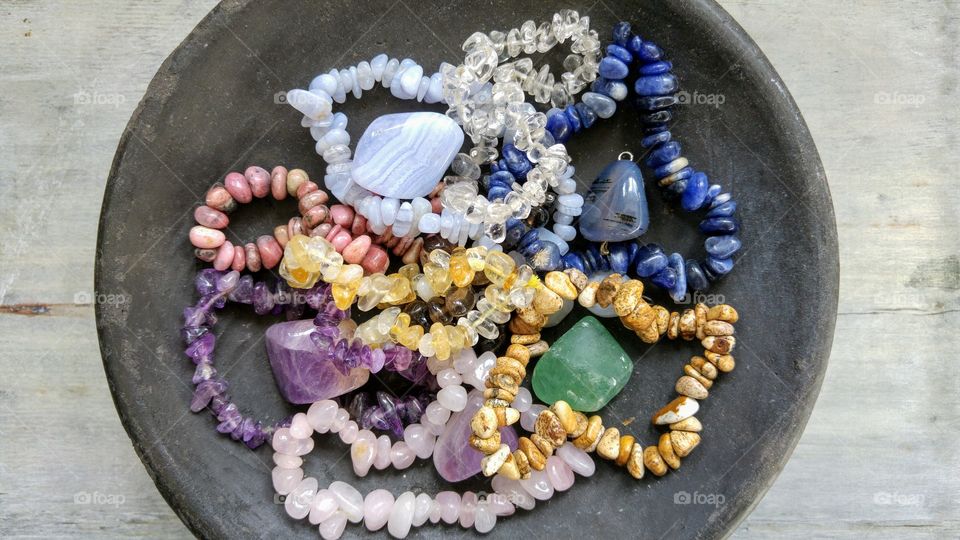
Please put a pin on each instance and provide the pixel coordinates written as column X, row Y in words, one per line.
column 616, row 90
column 696, row 280
column 713, row 192
column 612, row 67
column 656, row 85
column 620, row 53
column 615, row 209
column 622, row 33
column 695, row 192
column 516, row 160
column 405, row 155
column 679, row 289
column 666, row 278
column 634, row 45
column 655, row 103
column 663, row 154
column 587, row 115
column 647, row 52
column 574, row 260
column 601, row 104
column 656, row 68
column 719, row 267
column 573, row 118
column 722, row 247
column 619, row 256
column 558, row 125
column 546, row 259
column 726, row 209
column 649, row 260
column 719, row 225
column 657, row 138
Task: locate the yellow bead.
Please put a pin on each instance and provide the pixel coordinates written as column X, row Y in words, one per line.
column 410, row 337
column 300, row 249
column 409, row 271
column 441, row 346
column 440, row 258
column 498, row 267
column 399, row 289
column 298, row 278
column 498, row 298
column 438, row 277
column 476, row 258
column 455, row 338
column 343, row 294
column 349, row 274
column 460, row 271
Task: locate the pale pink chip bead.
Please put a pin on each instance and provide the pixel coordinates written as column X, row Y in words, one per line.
column 559, row 473
column 278, row 183
column 238, row 187
column 284, row 480
column 297, row 502
column 448, row 377
column 449, row 502
column 419, row 440
column 434, row 512
column 401, row 516
column 349, row 432
column 332, row 528
column 286, row 461
column 401, row 455
column 500, row 504
column 538, row 485
column 437, row 413
column 528, row 418
column 578, row 460
column 382, row 458
column 453, row 397
column 320, row 415
column 322, row 507
column 513, row 491
column 285, row 443
column 523, row 400
column 468, row 509
column 259, row 180
column 349, row 499
column 339, row 420
column 362, row 452
column 421, row 509
column 205, row 237
column 376, row 509
column 485, row 519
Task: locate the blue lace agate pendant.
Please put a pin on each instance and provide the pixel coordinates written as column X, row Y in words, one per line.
column 615, row 208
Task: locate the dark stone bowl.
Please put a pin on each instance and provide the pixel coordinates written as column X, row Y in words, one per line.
column 211, row 108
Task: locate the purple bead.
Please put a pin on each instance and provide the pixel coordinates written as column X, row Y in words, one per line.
column 205, row 392
column 202, row 347
column 377, row 359
column 205, row 371
column 243, row 292
column 206, row 281
column 227, row 282
column 262, row 299
column 193, row 333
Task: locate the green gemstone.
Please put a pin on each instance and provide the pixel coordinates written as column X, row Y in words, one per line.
column 586, row 367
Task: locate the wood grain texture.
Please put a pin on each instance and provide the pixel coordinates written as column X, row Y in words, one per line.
column 877, row 83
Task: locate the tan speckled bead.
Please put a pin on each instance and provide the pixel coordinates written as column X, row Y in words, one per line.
column 723, row 312
column 688, row 386
column 684, row 442
column 628, row 298
column 609, row 445
column 640, row 318
column 635, row 462
column 545, row 446
column 589, row 439
column 565, row 414
column 578, row 278
column 560, row 283
column 687, row 424
column 694, row 374
column 525, row 339
column 705, row 368
column 719, row 344
column 700, row 310
column 519, row 326
column 653, row 461
column 546, row 301
column 608, row 289
column 673, row 329
column 487, row 445
column 663, row 319
column 295, row 178
column 531, row 317
column 534, row 456
column 588, row 296
column 505, row 382
column 549, row 427
column 626, row 445
column 667, row 452
column 484, row 422
column 519, row 352
column 718, row 328
column 539, row 348
column 724, row 362
column 498, row 393
column 688, row 324
column 509, row 468
column 523, row 464
column 581, row 425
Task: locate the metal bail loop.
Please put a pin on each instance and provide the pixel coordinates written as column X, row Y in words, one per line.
column 625, row 156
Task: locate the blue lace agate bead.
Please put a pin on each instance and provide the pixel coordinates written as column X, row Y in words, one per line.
column 719, row 267
column 602, row 105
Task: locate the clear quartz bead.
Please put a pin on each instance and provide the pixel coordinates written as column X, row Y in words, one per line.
column 546, row 39
column 514, row 43
column 528, row 35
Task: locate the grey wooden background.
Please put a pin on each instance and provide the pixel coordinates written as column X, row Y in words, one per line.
column 877, row 82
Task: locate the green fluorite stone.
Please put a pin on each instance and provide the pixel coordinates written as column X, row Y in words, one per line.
column 586, row 367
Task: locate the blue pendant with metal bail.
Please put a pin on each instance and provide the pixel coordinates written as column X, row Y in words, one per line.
column 615, row 208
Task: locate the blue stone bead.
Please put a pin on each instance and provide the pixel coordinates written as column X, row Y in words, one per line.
column 726, row 209
column 619, row 256
column 656, row 85
column 505, row 178
column 656, row 68
column 574, row 118
column 515, row 230
column 720, row 199
column 656, row 118
column 667, row 169
column 648, row 52
column 649, row 130
column 621, row 33
column 713, row 192
column 615, row 90
column 620, row 53
column 679, row 289
column 531, row 248
column 711, row 276
column 666, row 278
column 683, row 174
column 587, row 115
column 601, row 104
column 498, row 183
column 693, row 197
column 516, row 160
column 602, row 263
column 719, row 225
column 649, row 260
column 547, row 259
column 663, row 154
column 722, row 247
column 634, row 45
column 612, row 67
column 615, row 208
column 655, row 103
column 696, row 280
column 719, row 267
column 655, row 139
column 632, row 249
column 558, row 125
column 529, row 237
column 589, row 262
column 676, row 189
column 495, row 166
column 573, row 260
column 497, row 192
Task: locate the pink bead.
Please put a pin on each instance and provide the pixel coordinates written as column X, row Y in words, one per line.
column 449, row 502
column 341, row 214
column 253, row 256
column 284, row 480
column 224, row 256
column 322, row 507
column 436, row 205
column 206, row 238
column 259, row 180
column 321, row 230
column 538, row 485
column 401, row 455
column 309, row 187
column 208, row 217
column 294, row 227
column 468, row 509
column 376, row 509
column 559, row 473
column 500, row 504
column 270, row 251
column 219, row 198
column 375, row 261
column 238, row 187
column 382, row 459
column 299, row 427
column 341, row 240
column 315, row 216
column 359, row 225
column 363, row 451
column 239, row 259
column 357, row 249
column 278, row 182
